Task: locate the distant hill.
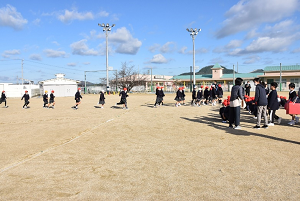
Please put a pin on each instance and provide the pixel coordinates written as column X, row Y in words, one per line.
column 258, row 71
column 207, row 70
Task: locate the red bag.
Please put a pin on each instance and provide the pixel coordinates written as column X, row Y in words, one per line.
column 292, row 108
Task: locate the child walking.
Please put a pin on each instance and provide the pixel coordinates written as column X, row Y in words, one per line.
column 292, row 98
column 102, row 98
column 273, row 104
column 262, row 102
column 77, row 98
column 3, row 99
column 124, row 96
column 199, row 96
column 45, row 99
column 194, row 96
column 206, row 95
column 179, row 97
column 26, row 98
column 51, row 100
column 159, row 96
column 220, row 93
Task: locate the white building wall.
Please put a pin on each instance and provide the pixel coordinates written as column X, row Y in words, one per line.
column 14, row 90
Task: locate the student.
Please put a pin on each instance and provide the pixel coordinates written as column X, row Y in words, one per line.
column 183, row 95
column 224, row 111
column 26, row 98
column 220, row 93
column 124, row 96
column 261, row 102
column 194, row 96
column 159, row 96
column 273, row 104
column 51, row 101
column 206, row 95
column 200, row 96
column 77, row 98
column 179, row 97
column 3, row 99
column 45, row 99
column 247, row 88
column 102, row 98
column 266, row 88
column 292, row 98
column 235, row 105
column 213, row 95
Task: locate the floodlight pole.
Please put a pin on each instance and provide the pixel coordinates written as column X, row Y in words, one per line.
column 106, row 28
column 280, row 79
column 193, row 33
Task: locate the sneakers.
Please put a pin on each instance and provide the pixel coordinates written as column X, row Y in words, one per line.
column 279, row 120
column 230, row 126
column 237, row 127
column 254, row 117
column 297, row 119
column 256, row 127
column 265, row 126
column 291, row 123
column 270, row 124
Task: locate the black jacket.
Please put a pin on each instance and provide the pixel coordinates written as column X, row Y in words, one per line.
column 199, row 94
column 160, row 93
column 102, row 96
column 123, row 95
column 78, row 96
column 260, row 95
column 194, row 95
column 237, row 92
column 52, row 96
column 247, row 87
column 206, row 93
column 25, row 97
column 273, row 103
column 45, row 97
column 179, row 94
column 3, row 97
column 292, row 95
column 220, row 91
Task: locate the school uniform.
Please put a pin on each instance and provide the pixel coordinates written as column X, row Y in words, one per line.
column 194, row 96
column 26, row 98
column 292, row 95
column 3, row 98
column 179, row 96
column 224, row 113
column 213, row 93
column 262, row 102
column 206, row 95
column 159, row 97
column 102, row 98
column 199, row 95
column 183, row 95
column 273, row 105
column 124, row 96
column 220, row 92
column 45, row 99
column 78, row 96
column 247, row 87
column 51, row 98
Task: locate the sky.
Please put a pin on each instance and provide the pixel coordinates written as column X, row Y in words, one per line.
column 64, row 37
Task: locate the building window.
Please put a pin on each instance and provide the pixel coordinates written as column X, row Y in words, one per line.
column 296, row 81
column 283, row 83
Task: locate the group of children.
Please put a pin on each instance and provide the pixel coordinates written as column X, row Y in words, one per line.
column 49, row 103
column 266, row 102
column 212, row 95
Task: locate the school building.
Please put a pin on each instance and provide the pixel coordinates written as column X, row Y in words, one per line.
column 270, row 74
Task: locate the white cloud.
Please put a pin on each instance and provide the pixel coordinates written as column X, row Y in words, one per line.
column 217, row 60
column 168, row 47
column 81, row 48
column 158, row 59
column 71, row 64
column 247, row 15
column 36, row 22
column 35, row 57
column 296, row 50
column 234, row 44
column 197, row 51
column 9, row 53
column 54, row 53
column 251, row 59
column 70, row 15
column 124, row 42
column 182, row 50
column 103, row 14
column 9, row 17
column 56, row 43
column 154, row 47
column 86, row 63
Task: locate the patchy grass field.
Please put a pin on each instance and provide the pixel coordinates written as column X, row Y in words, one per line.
column 143, row 153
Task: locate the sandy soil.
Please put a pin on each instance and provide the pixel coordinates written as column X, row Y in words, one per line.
column 143, row 153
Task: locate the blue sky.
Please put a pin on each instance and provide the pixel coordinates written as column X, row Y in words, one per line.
column 64, row 36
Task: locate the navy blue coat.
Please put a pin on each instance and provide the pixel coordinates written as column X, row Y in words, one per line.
column 273, row 103
column 260, row 95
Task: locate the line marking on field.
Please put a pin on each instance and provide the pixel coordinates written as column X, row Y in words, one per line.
column 30, row 157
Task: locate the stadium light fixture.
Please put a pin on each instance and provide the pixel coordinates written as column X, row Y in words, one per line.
column 193, row 33
column 106, row 28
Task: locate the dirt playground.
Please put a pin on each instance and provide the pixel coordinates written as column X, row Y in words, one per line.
column 143, row 153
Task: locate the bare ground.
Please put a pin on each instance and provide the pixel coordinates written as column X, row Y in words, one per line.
column 143, row 153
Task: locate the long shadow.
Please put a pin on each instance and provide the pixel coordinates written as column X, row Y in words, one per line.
column 117, row 107
column 210, row 122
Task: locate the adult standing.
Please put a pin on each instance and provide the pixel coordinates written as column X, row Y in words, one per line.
column 237, row 94
column 261, row 102
column 247, row 88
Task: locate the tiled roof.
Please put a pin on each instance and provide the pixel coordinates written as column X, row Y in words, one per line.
column 187, row 77
column 241, row 75
column 283, row 68
column 216, row 66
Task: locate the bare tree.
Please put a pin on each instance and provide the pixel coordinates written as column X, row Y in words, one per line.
column 128, row 77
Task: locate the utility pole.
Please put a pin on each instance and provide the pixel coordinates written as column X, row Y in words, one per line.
column 280, row 79
column 84, row 82
column 151, row 80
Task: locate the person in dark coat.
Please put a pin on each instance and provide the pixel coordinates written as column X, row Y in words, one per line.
column 26, row 98
column 194, row 96
column 237, row 95
column 77, row 98
column 273, row 104
column 45, row 99
column 224, row 111
column 3, row 99
column 102, row 99
column 206, row 95
column 51, row 101
column 123, row 101
column 183, row 95
column 261, row 102
column 247, row 88
column 220, row 93
column 179, row 97
column 213, row 95
column 159, row 96
column 267, row 88
column 293, row 98
column 200, row 96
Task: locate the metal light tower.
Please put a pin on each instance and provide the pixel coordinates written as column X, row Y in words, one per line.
column 106, row 28
column 193, row 33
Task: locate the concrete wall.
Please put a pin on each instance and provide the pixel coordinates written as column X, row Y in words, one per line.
column 14, row 91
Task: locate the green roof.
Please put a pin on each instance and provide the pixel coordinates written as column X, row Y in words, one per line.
column 241, row 75
column 283, row 68
column 187, row 77
column 216, row 66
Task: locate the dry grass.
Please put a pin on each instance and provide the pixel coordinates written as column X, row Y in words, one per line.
column 143, row 153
